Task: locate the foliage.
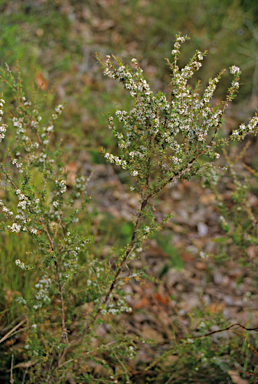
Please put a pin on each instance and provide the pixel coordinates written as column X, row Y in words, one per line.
column 161, row 139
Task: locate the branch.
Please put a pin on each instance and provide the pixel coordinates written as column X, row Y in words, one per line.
column 111, row 288
column 221, row 330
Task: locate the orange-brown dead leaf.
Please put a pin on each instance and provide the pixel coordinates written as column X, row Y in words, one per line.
column 41, row 81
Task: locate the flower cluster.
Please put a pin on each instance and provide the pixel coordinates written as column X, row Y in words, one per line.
column 20, row 264
column 166, row 134
column 243, row 129
column 61, row 186
column 2, row 126
column 42, row 295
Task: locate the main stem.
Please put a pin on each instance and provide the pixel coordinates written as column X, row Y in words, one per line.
column 60, row 287
column 112, row 286
column 118, row 272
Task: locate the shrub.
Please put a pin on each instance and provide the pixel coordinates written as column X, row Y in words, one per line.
column 161, row 140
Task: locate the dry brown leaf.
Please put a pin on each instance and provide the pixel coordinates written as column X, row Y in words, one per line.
column 72, row 169
column 252, row 251
column 41, row 81
column 236, row 378
column 216, row 307
column 207, row 199
column 161, row 299
column 150, row 333
column 200, row 265
column 144, row 302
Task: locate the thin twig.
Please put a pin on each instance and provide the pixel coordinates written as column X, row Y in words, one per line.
column 49, row 238
column 222, row 330
column 8, row 177
column 58, row 226
column 60, row 286
column 66, row 362
column 12, row 331
column 24, row 376
column 62, row 302
column 11, row 375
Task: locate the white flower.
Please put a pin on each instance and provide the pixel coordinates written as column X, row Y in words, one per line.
column 59, row 108
column 134, row 173
column 235, row 84
column 234, row 69
column 15, row 228
column 22, row 204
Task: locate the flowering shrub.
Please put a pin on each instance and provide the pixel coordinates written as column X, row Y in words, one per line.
column 161, row 140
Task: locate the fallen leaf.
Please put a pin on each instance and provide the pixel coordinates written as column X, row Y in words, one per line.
column 150, row 333
column 252, row 251
column 207, row 199
column 41, row 81
column 236, row 378
column 216, row 307
column 144, row 302
column 200, row 265
column 161, row 299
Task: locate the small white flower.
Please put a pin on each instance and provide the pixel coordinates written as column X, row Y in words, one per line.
column 234, row 69
column 15, row 228
column 235, row 84
column 134, row 173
